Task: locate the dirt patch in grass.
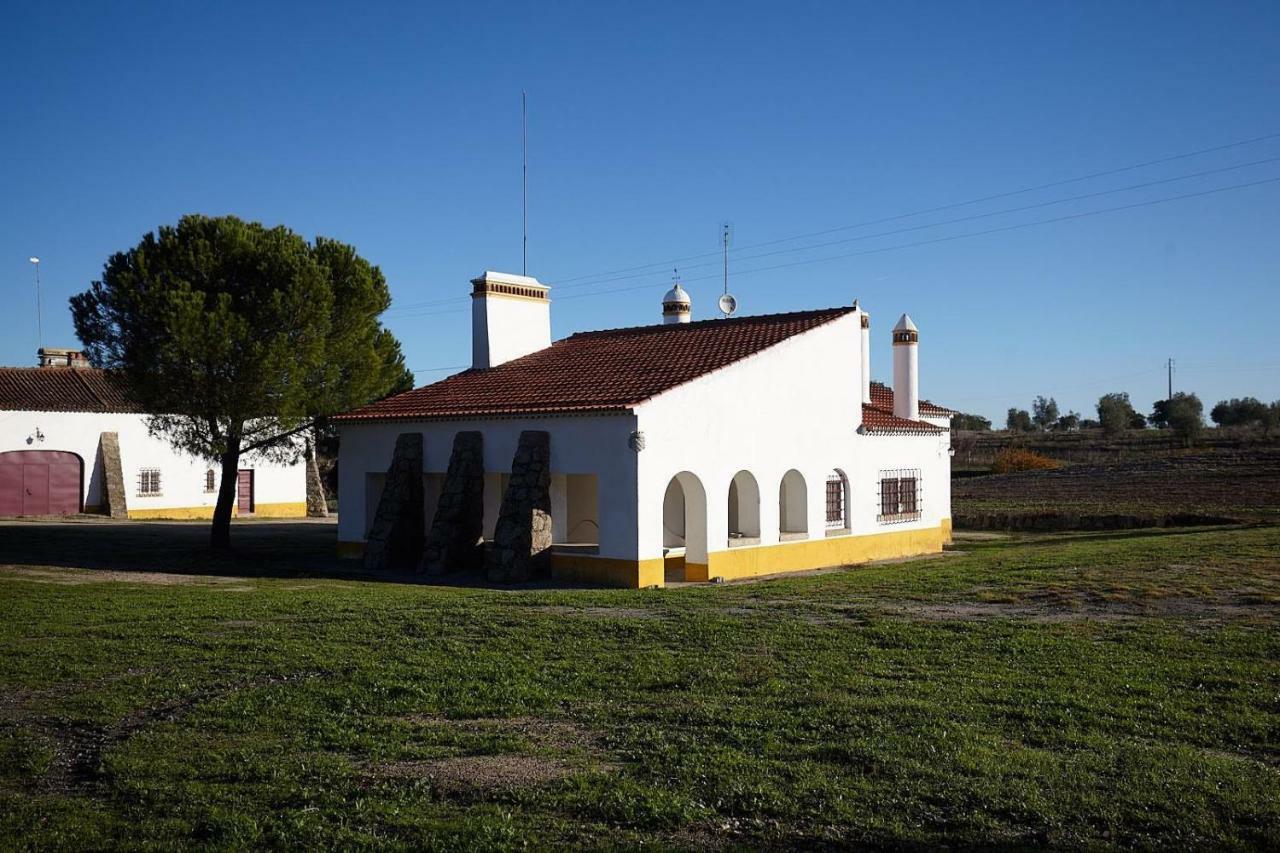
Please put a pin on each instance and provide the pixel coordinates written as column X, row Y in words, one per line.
column 597, row 612
column 479, row 771
column 1067, row 607
column 75, row 577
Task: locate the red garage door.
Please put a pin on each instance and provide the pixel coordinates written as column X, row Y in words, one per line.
column 39, row 482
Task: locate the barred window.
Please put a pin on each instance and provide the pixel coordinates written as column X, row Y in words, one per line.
column 149, row 481
column 209, row 480
column 899, row 495
column 836, row 511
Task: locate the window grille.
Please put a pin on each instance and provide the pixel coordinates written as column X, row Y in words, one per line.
column 208, row 481
column 149, row 481
column 900, row 495
column 835, row 501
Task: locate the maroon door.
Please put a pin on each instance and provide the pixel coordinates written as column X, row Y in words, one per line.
column 244, row 491
column 39, row 482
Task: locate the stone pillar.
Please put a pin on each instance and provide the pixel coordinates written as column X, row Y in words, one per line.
column 317, row 505
column 456, row 540
column 113, row 492
column 522, row 539
column 396, row 539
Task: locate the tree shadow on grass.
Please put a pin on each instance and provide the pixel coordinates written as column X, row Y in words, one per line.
column 259, row 549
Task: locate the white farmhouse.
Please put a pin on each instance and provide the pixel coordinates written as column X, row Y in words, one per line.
column 683, row 450
column 69, row 438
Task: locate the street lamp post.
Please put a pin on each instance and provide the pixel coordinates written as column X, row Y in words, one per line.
column 39, row 318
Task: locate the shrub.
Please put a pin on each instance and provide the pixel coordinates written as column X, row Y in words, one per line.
column 1016, row 459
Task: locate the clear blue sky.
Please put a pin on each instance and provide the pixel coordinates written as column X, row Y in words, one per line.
column 397, row 129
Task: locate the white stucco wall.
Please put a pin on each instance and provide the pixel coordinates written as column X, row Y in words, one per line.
column 182, row 477
column 506, row 327
column 796, row 405
column 579, row 445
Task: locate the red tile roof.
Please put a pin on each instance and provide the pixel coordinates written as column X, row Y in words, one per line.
column 597, row 371
column 61, row 389
column 882, row 397
column 878, row 420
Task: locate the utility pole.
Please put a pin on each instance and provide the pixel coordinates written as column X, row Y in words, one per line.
column 1169, row 365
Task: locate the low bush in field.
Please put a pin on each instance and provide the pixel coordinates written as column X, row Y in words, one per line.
column 1015, row 459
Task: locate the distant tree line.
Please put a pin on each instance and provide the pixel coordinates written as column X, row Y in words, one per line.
column 1182, row 414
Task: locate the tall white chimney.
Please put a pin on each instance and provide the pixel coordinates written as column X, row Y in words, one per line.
column 510, row 318
column 865, row 319
column 906, row 369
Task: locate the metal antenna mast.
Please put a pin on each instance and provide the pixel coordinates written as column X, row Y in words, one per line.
column 524, row 182
column 726, row 237
column 39, row 317
column 1169, row 365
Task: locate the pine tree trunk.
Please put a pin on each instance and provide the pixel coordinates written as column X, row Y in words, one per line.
column 228, row 490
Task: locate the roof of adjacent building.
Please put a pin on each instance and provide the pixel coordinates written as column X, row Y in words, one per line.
column 614, row 370
column 882, row 397
column 61, row 389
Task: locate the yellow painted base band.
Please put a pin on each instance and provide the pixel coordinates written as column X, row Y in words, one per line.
column 187, row 513
column 608, row 571
column 946, row 530
column 694, row 572
column 284, row 510
column 821, row 553
column 350, row 550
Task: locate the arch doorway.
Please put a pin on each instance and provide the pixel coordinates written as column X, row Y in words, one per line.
column 40, row 482
column 684, row 529
column 793, row 506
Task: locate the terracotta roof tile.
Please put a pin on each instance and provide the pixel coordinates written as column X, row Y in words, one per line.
column 876, row 419
column 882, row 396
column 61, row 389
column 597, row 371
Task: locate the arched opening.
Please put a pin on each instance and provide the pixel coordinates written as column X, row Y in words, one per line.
column 684, row 529
column 837, row 501
column 744, row 509
column 793, row 506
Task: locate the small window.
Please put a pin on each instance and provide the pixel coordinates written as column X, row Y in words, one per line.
column 208, row 481
column 836, row 519
column 899, row 496
column 149, row 481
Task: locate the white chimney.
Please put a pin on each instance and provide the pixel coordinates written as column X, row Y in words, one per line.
column 906, row 369
column 677, row 307
column 510, row 318
column 865, row 322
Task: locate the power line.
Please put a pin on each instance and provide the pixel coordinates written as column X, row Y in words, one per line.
column 940, row 208
column 952, row 237
column 561, row 283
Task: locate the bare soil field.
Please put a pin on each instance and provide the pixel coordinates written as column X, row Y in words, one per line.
column 1210, row 486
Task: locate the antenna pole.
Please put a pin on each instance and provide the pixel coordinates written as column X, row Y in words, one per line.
column 39, row 316
column 524, row 183
column 1170, row 366
column 726, row 258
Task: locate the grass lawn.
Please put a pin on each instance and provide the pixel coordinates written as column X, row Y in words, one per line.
column 1070, row 690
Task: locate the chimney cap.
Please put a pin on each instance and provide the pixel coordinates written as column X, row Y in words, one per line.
column 677, row 294
column 905, row 325
column 493, row 277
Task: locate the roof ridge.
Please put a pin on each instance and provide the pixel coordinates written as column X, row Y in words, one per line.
column 657, row 328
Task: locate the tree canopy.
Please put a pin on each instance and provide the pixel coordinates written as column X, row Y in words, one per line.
column 238, row 337
column 1116, row 414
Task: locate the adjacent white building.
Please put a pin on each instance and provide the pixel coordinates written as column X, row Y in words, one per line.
column 64, row 426
column 681, row 450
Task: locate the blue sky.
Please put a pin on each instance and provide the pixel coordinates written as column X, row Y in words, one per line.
column 397, row 129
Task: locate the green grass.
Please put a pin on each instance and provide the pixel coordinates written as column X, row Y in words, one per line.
column 1069, row 690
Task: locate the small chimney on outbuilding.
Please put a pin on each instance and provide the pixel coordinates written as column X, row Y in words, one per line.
column 677, row 307
column 61, row 357
column 864, row 321
column 510, row 318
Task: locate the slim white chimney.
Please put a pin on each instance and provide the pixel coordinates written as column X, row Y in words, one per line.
column 906, row 369
column 865, row 319
column 510, row 318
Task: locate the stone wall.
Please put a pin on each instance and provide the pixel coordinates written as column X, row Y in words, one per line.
column 521, row 547
column 113, row 492
column 456, row 540
column 395, row 542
